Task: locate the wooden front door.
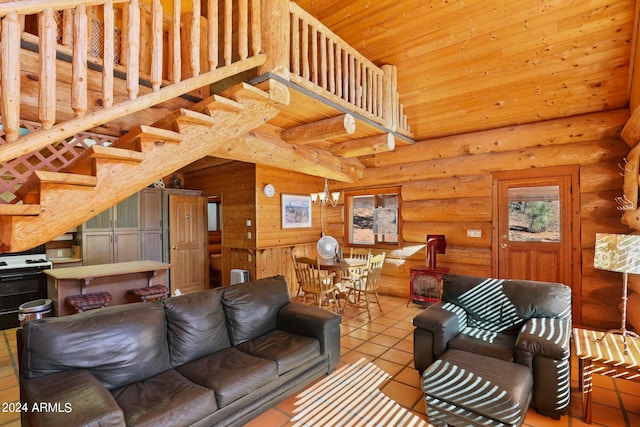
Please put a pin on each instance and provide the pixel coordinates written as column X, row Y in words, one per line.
column 535, row 225
column 187, row 237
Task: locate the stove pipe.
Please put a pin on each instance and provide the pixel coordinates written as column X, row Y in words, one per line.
column 435, row 244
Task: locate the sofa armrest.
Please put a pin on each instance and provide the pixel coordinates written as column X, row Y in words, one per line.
column 546, row 337
column 313, row 322
column 444, row 321
column 543, row 345
column 67, row 399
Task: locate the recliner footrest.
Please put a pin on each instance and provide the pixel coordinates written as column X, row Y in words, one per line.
column 467, row 386
column 89, row 301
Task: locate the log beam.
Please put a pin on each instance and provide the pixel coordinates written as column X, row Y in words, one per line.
column 321, row 130
column 272, row 151
column 361, row 147
column 631, row 131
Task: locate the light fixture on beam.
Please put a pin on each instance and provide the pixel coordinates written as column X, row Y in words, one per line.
column 325, row 197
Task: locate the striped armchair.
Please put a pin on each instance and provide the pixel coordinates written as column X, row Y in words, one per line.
column 524, row 322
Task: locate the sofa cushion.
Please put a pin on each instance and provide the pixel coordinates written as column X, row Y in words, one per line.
column 251, row 308
column 485, row 302
column 196, row 325
column 231, row 374
column 92, row 404
column 539, row 299
column 118, row 345
column 167, row 399
column 287, row 350
column 486, row 343
column 493, row 388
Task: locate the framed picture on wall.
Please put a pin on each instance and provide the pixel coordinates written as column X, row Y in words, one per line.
column 296, row 211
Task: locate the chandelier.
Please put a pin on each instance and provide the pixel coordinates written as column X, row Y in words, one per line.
column 325, row 197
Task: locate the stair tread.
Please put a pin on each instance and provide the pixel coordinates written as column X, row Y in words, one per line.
column 217, row 102
column 142, row 133
column 184, row 115
column 20, row 209
column 65, row 178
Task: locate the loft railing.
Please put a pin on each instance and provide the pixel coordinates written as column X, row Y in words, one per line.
column 172, row 52
column 319, row 59
column 133, row 54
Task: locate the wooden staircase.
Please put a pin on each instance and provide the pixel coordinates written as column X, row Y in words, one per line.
column 54, row 202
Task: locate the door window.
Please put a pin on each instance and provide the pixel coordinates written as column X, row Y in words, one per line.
column 534, row 214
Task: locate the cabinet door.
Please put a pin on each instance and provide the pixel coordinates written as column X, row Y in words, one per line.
column 151, row 245
column 97, row 248
column 102, row 221
column 151, row 209
column 126, row 246
column 127, row 213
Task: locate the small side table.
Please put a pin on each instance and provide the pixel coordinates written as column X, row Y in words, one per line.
column 604, row 357
column 425, row 285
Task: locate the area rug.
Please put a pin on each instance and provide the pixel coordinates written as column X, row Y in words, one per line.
column 350, row 397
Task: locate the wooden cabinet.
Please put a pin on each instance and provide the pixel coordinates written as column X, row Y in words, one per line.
column 113, row 235
column 151, row 224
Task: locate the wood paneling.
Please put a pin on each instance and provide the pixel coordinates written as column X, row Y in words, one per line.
column 466, row 67
column 449, row 193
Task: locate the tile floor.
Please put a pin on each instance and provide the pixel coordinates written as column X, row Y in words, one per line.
column 387, row 340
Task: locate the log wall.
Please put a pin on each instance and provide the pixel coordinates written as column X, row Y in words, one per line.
column 267, row 251
column 446, row 189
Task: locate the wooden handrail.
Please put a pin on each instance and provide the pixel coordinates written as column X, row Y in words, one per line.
column 140, row 22
column 319, row 59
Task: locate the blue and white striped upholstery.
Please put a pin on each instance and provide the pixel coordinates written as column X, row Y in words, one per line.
column 524, row 322
column 462, row 388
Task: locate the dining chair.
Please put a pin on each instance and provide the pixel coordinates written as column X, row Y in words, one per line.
column 352, row 274
column 359, row 253
column 367, row 285
column 301, row 253
column 315, row 282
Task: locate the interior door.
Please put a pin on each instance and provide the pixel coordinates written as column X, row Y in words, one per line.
column 187, row 237
column 534, row 234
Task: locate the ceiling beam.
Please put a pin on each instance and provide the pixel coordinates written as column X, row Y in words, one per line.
column 364, row 146
column 631, row 130
column 320, row 130
column 268, row 150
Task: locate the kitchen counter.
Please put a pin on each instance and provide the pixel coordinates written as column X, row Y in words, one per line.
column 66, row 262
column 114, row 278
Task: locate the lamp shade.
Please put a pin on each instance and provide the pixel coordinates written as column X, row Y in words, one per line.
column 617, row 252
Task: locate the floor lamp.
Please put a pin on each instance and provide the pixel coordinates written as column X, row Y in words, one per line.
column 621, row 253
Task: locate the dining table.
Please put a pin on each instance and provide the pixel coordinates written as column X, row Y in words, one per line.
column 337, row 266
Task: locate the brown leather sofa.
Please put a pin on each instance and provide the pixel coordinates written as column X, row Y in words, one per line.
column 217, row 357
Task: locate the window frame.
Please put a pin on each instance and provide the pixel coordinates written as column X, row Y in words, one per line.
column 375, row 192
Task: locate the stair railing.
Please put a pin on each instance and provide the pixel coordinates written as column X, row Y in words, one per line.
column 174, row 62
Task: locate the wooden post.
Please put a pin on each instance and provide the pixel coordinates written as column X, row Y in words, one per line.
column 109, row 55
column 79, row 62
column 276, row 37
column 46, row 99
column 156, row 45
column 389, row 88
column 133, row 49
column 212, row 31
column 10, row 76
column 175, row 46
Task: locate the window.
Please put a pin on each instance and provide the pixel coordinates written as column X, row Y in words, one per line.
column 373, row 217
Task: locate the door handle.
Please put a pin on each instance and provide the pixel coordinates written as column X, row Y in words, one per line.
column 174, row 247
column 504, row 245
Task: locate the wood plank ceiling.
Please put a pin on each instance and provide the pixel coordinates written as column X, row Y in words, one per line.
column 471, row 65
